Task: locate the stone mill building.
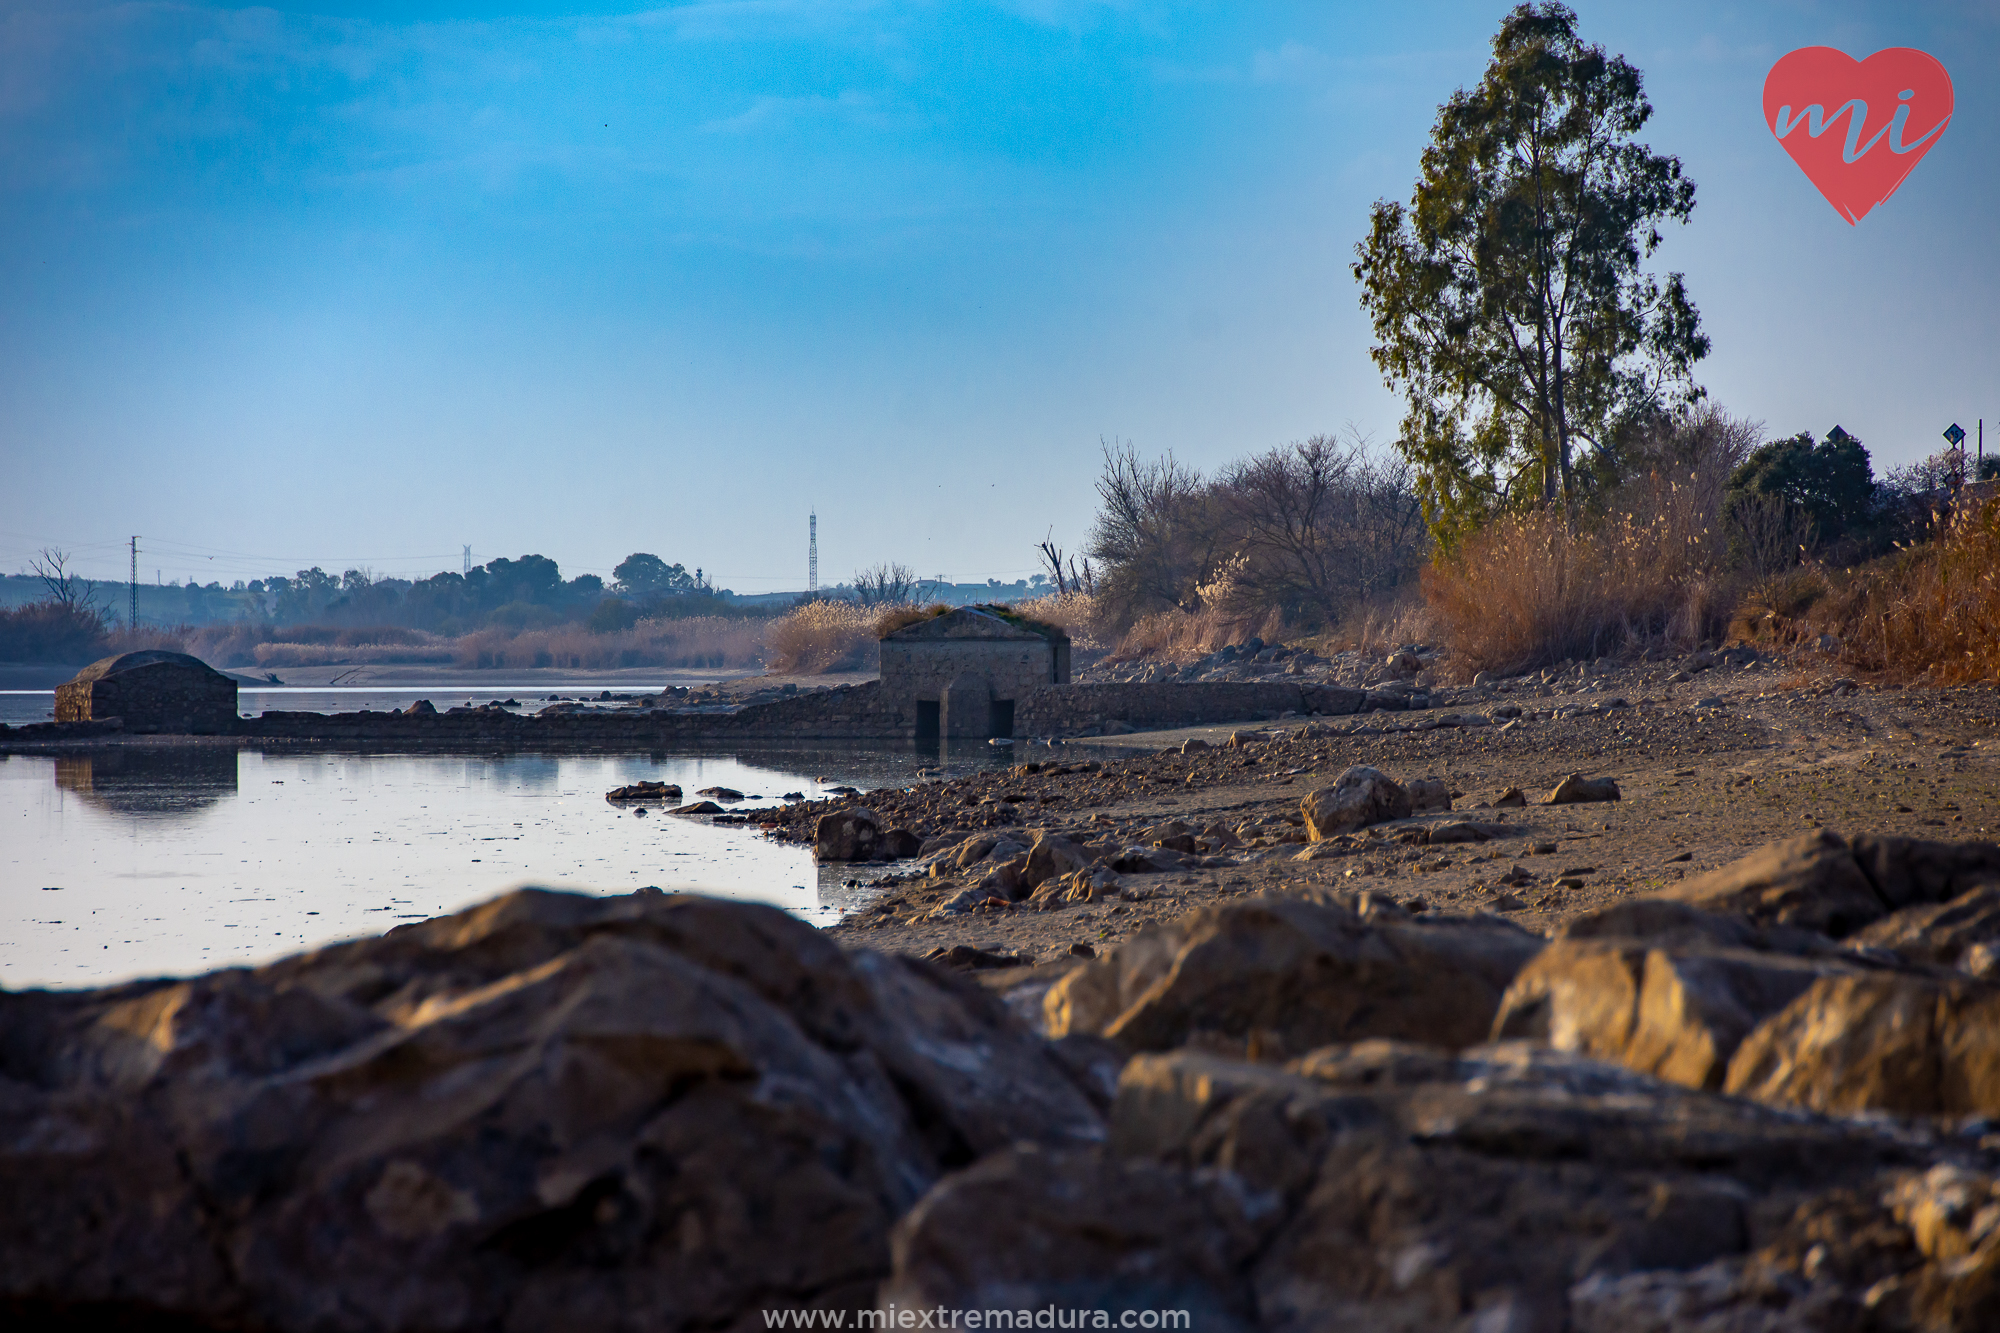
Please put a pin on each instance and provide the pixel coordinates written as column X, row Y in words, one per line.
column 960, row 674
column 151, row 690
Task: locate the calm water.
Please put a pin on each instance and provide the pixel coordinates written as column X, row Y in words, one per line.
column 142, row 861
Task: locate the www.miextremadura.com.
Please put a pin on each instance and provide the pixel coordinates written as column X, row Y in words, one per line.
column 944, row 1317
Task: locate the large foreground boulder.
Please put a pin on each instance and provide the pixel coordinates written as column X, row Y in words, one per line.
column 1963, row 933
column 1285, row 975
column 1676, row 1013
column 1904, row 1043
column 1400, row 1189
column 1735, row 982
column 1822, row 882
column 548, row 1112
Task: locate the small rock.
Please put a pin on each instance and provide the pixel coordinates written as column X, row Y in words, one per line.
column 1576, row 789
column 846, row 835
column 1360, row 797
column 1511, row 799
column 970, row 958
column 897, row 844
column 1429, row 794
column 645, row 791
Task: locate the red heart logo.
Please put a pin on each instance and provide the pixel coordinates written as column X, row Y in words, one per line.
column 1857, row 127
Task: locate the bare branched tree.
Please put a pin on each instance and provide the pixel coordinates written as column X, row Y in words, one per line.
column 1695, row 452
column 1320, row 527
column 65, row 589
column 1157, row 537
column 885, row 584
column 1767, row 535
column 1073, row 578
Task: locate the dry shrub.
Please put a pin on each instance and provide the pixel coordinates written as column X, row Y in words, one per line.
column 1532, row 589
column 51, row 632
column 1183, row 636
column 1774, row 609
column 225, row 645
column 1077, row 614
column 825, row 636
column 310, row 654
column 692, row 641
column 1931, row 610
column 903, row 614
column 247, row 644
column 1382, row 629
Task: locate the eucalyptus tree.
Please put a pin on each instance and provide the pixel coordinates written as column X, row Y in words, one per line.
column 1508, row 299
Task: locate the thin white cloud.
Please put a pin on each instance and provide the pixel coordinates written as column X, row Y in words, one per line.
column 779, row 113
column 747, row 20
column 1292, row 62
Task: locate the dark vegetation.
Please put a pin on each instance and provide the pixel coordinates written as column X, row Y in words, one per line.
column 1310, row 532
column 388, row 619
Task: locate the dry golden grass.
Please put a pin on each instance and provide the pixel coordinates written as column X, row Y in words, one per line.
column 1929, row 612
column 896, row 617
column 694, row 641
column 1382, row 629
column 268, row 655
column 1077, row 614
column 1531, row 590
column 825, row 636
column 1183, row 636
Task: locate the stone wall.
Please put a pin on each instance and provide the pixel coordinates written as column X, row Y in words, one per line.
column 847, row 712
column 163, row 697
column 921, row 669
column 1068, row 709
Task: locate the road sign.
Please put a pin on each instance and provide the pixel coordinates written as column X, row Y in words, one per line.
column 1954, row 433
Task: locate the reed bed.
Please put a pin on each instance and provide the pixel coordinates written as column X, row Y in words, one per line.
column 1538, row 588
column 1930, row 612
column 1077, row 614
column 827, row 636
column 1183, row 636
column 693, row 641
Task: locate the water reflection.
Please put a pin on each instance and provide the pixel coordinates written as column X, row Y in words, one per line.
column 159, row 859
column 150, row 783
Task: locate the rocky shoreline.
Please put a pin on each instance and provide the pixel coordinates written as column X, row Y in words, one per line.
column 1202, row 1029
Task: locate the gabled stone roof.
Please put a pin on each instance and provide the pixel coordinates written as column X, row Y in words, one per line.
column 122, row 662
column 977, row 622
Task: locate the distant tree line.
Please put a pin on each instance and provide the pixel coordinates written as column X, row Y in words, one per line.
column 524, row 593
column 509, row 593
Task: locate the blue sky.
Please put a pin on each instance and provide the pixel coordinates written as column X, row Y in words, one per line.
column 352, row 285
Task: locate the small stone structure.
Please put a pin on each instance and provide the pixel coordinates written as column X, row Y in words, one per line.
column 152, row 690
column 959, row 675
